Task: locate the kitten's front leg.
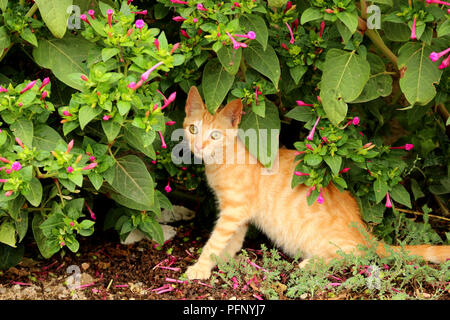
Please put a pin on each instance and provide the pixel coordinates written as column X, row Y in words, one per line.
column 228, row 224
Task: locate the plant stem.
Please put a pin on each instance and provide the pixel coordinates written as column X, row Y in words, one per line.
column 363, row 6
column 31, row 11
column 421, row 214
column 59, row 192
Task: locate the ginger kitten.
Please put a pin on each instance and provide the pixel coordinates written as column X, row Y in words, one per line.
column 246, row 195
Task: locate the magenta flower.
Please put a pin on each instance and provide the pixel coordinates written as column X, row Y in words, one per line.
column 235, row 283
column 324, row 139
column 320, row 199
column 179, row 2
column 146, row 74
column 170, row 123
column 301, row 103
column 345, row 170
column 90, row 166
column 308, row 146
column 69, row 169
column 406, row 147
column 8, row 193
column 184, row 34
column 413, row 30
column 44, row 83
column 435, row 56
column 322, row 27
column 310, row 190
column 67, row 113
column 84, row 18
column 201, row 7
column 28, row 86
column 163, row 143
column 178, row 19
column 250, row 35
column 156, row 42
column 62, row 244
column 91, row 14
column 92, row 159
column 170, row 99
column 311, row 134
column 19, row 142
column 4, row 160
column 236, row 44
column 355, row 121
column 131, row 85
column 329, row 10
column 445, row 63
column 175, row 47
column 106, row 117
column 290, row 33
column 195, row 20
column 388, row 201
column 284, row 46
column 144, row 12
column 298, row 173
column 4, row 180
column 288, row 6
column 168, row 188
column 129, row 1
column 438, row 2
column 139, row 24
column 72, row 223
column 83, row 77
column 109, row 12
column 3, row 89
column 297, row 153
column 16, row 166
column 90, row 211
column 44, row 95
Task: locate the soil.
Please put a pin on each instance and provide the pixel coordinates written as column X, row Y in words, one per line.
column 112, row 271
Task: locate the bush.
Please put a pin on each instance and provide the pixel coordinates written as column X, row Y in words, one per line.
column 364, row 107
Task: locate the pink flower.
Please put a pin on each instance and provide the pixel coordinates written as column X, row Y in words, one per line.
column 72, row 223
column 288, row 6
column 439, row 2
column 406, row 147
column 28, row 86
column 67, row 113
column 170, row 123
column 91, row 158
column 178, row 2
column 169, row 100
column 69, row 146
column 388, row 201
column 69, row 169
column 3, row 89
column 62, row 244
column 44, row 83
column 163, row 143
column 178, row 19
column 91, row 14
column 298, row 173
column 236, row 44
column 284, row 46
column 44, row 95
column 175, row 47
column 235, row 283
column 84, row 18
column 83, row 77
column 131, row 85
column 109, row 12
column 301, row 103
column 310, row 190
column 129, row 1
column 445, row 63
column 195, row 20
column 250, row 35
column 4, row 160
column 345, row 170
column 156, row 42
column 90, row 211
column 320, row 199
column 324, row 139
column 308, row 146
column 201, row 7
column 4, row 180
column 329, row 11
column 413, row 30
column 355, row 121
column 8, row 193
column 168, row 188
column 146, row 74
column 19, row 142
column 90, row 166
column 16, row 166
column 106, row 117
column 290, row 33
column 139, row 24
column 311, row 134
column 435, row 56
column 322, row 27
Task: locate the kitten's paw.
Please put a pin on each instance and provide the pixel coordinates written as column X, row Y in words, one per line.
column 196, row 272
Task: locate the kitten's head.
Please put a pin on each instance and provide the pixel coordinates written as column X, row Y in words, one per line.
column 209, row 135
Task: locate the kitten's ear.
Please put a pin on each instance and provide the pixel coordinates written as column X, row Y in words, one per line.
column 233, row 111
column 194, row 102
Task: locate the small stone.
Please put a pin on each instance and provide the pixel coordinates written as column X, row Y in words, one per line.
column 85, row 266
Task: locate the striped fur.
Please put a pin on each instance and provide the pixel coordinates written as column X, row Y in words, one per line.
column 268, row 201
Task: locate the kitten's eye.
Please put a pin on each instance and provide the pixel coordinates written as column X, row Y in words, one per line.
column 215, row 135
column 193, row 129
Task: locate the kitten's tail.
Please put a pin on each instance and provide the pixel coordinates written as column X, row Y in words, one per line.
column 434, row 254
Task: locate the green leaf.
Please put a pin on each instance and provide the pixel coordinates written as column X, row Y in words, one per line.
column 401, row 195
column 111, row 129
column 265, row 131
column 443, row 29
column 123, row 107
column 313, row 160
column 10, row 257
column 86, row 114
column 311, row 14
column 350, row 19
column 132, row 180
column 303, row 114
column 73, row 245
column 297, row 72
column 153, row 230
column 46, row 138
column 96, row 180
column 421, row 73
column 4, row 39
column 55, row 15
column 8, row 233
column 260, row 108
column 46, row 247
column 253, row 22
column 29, row 36
column 135, row 137
column 334, row 106
column 216, row 82
column 34, row 193
column 334, row 162
column 108, row 53
column 23, row 129
column 230, row 59
column 64, row 57
column 264, row 61
column 3, row 5
column 380, row 188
